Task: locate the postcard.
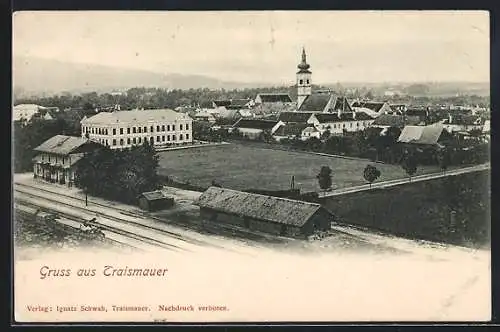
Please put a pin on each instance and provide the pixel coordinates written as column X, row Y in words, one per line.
column 251, row 166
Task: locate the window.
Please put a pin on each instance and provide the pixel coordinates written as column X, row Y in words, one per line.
column 139, row 129
column 307, row 81
column 163, row 138
column 106, row 131
column 173, row 127
column 357, row 124
column 187, row 136
column 187, row 126
column 301, row 82
column 180, row 127
column 151, row 140
column 49, row 158
column 180, row 137
column 121, row 131
column 145, row 129
column 173, row 137
column 163, row 128
column 157, row 128
column 63, row 160
column 134, row 140
column 121, row 141
column 128, row 130
column 99, row 131
column 139, row 140
column 114, row 142
column 128, row 140
column 168, row 127
column 157, row 138
column 151, row 129
column 114, row 133
column 334, row 126
column 168, row 138
column 92, row 130
column 134, row 130
column 107, row 142
column 350, row 124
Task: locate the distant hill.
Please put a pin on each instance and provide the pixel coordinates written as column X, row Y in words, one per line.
column 35, row 76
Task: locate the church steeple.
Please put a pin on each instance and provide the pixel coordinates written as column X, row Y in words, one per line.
column 304, row 66
column 304, row 84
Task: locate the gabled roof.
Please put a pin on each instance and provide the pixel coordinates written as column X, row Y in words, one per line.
column 334, row 117
column 275, row 97
column 298, row 117
column 255, row 124
column 399, row 121
column 291, row 129
column 339, row 104
column 310, row 129
column 315, row 102
column 268, row 208
column 239, row 102
column 427, row 135
column 62, row 145
column 224, row 103
column 372, row 105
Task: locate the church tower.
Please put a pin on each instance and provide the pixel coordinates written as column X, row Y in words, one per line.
column 303, row 80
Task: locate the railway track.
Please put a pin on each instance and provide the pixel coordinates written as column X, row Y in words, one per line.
column 141, row 224
column 132, row 235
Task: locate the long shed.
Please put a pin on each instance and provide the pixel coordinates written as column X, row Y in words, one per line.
column 275, row 215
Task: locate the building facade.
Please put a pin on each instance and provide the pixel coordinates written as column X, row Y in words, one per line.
column 57, row 157
column 304, row 82
column 123, row 129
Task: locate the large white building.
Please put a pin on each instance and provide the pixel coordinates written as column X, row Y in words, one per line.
column 122, row 129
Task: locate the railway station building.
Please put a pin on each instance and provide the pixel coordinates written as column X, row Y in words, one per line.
column 57, row 157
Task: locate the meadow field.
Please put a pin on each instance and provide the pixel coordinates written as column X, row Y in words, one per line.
column 242, row 167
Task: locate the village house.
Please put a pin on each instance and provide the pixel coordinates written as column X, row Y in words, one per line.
column 204, row 116
column 399, row 108
column 123, row 129
column 274, row 215
column 58, row 156
column 386, row 121
column 273, row 98
column 372, row 108
column 338, row 123
column 301, row 131
column 25, row 112
column 273, row 103
column 463, row 123
column 298, row 117
column 254, row 128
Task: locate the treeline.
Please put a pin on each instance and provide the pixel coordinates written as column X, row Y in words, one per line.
column 31, row 135
column 151, row 98
column 119, row 175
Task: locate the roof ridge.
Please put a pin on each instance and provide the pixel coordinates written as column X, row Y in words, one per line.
column 267, row 196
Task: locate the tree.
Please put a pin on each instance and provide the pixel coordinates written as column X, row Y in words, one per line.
column 444, row 159
column 371, row 173
column 326, row 135
column 325, row 178
column 409, row 164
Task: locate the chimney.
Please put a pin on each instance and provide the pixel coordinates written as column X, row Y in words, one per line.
column 449, row 118
column 354, row 115
column 339, row 112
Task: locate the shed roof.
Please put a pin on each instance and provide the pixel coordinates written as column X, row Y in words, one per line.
column 61, row 144
column 268, row 208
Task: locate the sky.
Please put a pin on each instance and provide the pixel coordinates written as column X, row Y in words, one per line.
column 251, row 46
